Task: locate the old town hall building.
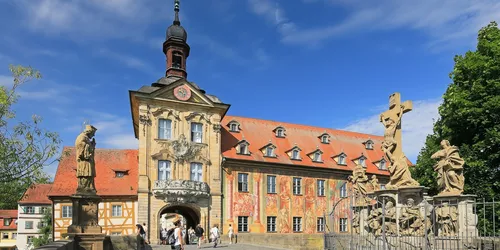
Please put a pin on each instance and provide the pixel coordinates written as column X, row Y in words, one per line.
column 266, row 178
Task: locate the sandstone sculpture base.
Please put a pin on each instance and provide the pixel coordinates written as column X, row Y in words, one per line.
column 89, row 241
column 464, row 211
column 85, row 214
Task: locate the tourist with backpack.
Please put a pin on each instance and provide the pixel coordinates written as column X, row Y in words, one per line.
column 198, row 231
column 176, row 236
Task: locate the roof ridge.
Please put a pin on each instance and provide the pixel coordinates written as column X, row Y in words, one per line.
column 281, row 123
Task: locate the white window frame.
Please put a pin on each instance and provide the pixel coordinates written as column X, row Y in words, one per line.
column 271, row 184
column 343, row 190
column 362, row 161
column 242, row 182
column 66, row 212
column 270, row 151
column 317, row 157
column 233, row 127
column 295, row 154
column 164, row 170
column 369, row 145
column 320, row 224
column 342, row 159
column 243, row 148
column 343, row 225
column 280, row 132
column 165, row 129
column 271, row 224
column 196, row 171
column 297, row 185
column 325, row 139
column 30, row 210
column 197, row 132
column 383, row 164
column 116, row 211
column 29, row 222
column 321, row 187
column 242, row 223
column 297, row 224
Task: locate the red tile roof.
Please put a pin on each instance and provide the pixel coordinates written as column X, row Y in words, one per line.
column 258, row 133
column 107, row 162
column 36, row 194
column 12, row 214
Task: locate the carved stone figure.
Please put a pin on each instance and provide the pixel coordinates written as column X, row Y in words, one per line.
column 85, row 170
column 375, row 221
column 390, row 219
column 392, row 145
column 356, row 222
column 181, row 190
column 410, row 221
column 400, row 175
column 359, row 180
column 449, row 169
column 374, row 183
column 447, row 218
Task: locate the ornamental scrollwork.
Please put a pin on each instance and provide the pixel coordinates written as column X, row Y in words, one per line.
column 184, row 191
column 169, row 112
column 201, row 115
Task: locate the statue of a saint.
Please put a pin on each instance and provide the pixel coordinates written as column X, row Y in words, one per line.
column 449, row 169
column 359, row 180
column 85, row 170
column 390, row 142
column 411, row 222
column 400, row 174
column 374, row 183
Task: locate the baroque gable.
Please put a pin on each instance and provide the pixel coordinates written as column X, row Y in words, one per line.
column 182, row 91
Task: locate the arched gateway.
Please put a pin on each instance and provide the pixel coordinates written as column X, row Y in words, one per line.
column 189, row 214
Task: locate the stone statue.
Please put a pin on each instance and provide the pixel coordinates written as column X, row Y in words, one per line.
column 410, row 221
column 374, row 183
column 449, row 169
column 447, row 218
column 375, row 221
column 85, row 170
column 390, row 219
column 359, row 180
column 392, row 145
column 356, row 222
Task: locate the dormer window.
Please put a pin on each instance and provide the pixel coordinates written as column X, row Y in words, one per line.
column 325, row 138
column 270, row 151
column 369, row 145
column 280, row 132
column 316, row 156
column 295, row 154
column 120, row 174
column 234, row 126
column 362, row 161
column 242, row 148
column 341, row 160
column 382, row 164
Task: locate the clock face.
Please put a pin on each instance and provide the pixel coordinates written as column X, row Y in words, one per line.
column 182, row 93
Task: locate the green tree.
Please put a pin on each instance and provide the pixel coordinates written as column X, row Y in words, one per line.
column 25, row 147
column 45, row 230
column 470, row 118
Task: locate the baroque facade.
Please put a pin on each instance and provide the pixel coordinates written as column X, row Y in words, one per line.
column 259, row 176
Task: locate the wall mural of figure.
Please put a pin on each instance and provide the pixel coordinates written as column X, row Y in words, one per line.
column 449, row 169
column 271, row 204
column 284, row 212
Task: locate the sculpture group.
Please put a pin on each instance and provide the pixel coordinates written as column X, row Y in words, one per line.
column 404, row 208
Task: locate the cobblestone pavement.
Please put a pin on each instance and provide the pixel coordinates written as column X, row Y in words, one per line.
column 222, row 247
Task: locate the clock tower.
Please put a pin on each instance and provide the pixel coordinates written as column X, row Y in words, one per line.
column 176, row 48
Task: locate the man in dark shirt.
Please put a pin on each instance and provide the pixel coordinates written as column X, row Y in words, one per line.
column 199, row 233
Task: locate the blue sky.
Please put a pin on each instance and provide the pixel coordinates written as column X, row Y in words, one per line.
column 327, row 63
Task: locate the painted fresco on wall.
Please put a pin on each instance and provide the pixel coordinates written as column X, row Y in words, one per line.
column 321, row 206
column 298, row 205
column 243, row 204
column 271, row 204
column 309, row 222
column 284, row 212
column 310, row 196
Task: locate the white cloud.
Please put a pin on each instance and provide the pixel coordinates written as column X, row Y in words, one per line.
column 92, row 19
column 445, row 21
column 274, row 14
column 416, row 125
column 112, row 131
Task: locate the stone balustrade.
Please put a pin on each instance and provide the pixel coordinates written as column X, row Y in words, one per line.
column 187, row 191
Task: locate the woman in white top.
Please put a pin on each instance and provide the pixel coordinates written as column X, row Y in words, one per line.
column 214, row 234
column 178, row 235
column 230, row 232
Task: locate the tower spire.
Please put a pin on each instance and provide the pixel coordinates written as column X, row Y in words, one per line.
column 176, row 9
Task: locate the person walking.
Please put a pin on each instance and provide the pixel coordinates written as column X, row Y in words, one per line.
column 214, row 234
column 145, row 232
column 230, row 233
column 141, row 232
column 164, row 236
column 179, row 236
column 199, row 234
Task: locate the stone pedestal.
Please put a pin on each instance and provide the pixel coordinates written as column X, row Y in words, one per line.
column 463, row 206
column 84, row 228
column 89, row 241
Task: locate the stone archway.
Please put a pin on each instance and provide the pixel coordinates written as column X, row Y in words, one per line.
column 191, row 214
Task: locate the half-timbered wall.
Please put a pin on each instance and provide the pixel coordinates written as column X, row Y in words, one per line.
column 111, row 225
